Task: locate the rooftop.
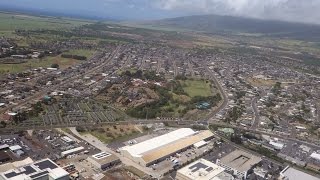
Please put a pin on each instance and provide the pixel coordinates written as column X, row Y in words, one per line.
column 154, row 143
column 294, row 174
column 104, row 157
column 173, row 147
column 15, row 147
column 74, row 150
column 32, row 171
column 240, row 160
column 203, row 170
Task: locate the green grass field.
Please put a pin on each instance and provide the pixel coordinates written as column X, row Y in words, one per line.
column 81, row 52
column 196, row 88
column 10, row 22
column 35, row 63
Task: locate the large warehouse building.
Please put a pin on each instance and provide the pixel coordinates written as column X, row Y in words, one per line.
column 157, row 149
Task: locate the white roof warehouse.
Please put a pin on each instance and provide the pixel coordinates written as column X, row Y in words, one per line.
column 161, row 147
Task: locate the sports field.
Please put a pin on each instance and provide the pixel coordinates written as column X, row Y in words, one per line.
column 36, row 63
column 196, row 88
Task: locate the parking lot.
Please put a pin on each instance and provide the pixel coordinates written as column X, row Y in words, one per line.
column 219, row 150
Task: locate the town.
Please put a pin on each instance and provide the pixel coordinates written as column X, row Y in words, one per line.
column 131, row 108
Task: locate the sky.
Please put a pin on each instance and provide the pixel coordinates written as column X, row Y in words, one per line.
column 307, row 11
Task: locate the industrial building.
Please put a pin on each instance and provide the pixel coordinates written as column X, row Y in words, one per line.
column 4, row 146
column 290, row 173
column 44, row 169
column 72, row 151
column 66, row 139
column 104, row 160
column 157, row 149
column 238, row 162
column 15, row 148
column 315, row 155
column 203, row 170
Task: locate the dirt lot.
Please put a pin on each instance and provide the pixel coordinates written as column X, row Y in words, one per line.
column 108, row 134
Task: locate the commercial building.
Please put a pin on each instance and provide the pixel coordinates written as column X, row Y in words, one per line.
column 290, row 173
column 67, row 139
column 15, row 148
column 315, row 155
column 157, row 149
column 44, row 170
column 276, row 145
column 202, row 170
column 4, row 146
column 104, row 160
column 72, row 151
column 200, row 144
column 238, row 162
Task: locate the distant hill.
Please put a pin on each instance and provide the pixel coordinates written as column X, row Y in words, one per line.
column 229, row 24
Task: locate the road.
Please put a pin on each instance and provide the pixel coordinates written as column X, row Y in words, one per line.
column 222, row 93
column 103, row 147
column 256, row 121
column 67, row 80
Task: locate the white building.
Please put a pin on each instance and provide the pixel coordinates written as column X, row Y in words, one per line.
column 202, row 170
column 276, row 145
column 315, row 155
column 104, row 160
column 238, row 162
column 161, row 147
column 67, row 139
column 41, row 170
column 200, row 144
column 15, row 148
column 72, row 151
column 290, row 173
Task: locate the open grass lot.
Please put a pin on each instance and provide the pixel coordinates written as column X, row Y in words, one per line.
column 108, row 134
column 261, row 82
column 196, row 88
column 81, row 52
column 267, row 83
column 35, row 63
column 10, row 22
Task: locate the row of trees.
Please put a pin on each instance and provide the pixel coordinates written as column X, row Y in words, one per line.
column 77, row 57
column 144, row 75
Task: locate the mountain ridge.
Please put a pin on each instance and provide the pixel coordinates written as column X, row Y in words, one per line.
column 231, row 24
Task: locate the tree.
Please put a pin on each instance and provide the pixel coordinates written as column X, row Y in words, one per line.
column 3, row 124
column 55, row 65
